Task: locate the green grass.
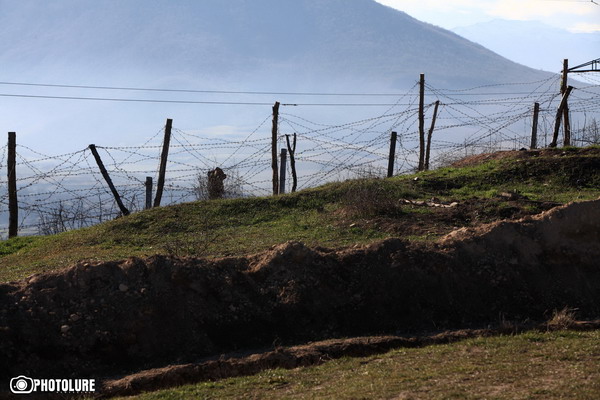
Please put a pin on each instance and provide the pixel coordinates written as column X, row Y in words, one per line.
column 333, row 215
column 534, row 365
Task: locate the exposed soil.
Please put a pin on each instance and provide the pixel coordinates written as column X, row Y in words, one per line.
column 228, row 366
column 433, row 220
column 106, row 319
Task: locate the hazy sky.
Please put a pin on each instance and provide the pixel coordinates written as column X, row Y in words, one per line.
column 574, row 15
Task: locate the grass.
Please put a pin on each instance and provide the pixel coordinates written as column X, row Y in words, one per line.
column 534, row 365
column 333, row 215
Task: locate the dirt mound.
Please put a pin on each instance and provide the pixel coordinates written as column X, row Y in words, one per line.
column 563, row 235
column 96, row 319
column 300, row 356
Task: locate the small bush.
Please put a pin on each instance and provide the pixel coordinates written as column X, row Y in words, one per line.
column 563, row 319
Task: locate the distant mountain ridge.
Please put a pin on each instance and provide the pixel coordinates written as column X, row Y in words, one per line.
column 533, row 43
column 305, row 41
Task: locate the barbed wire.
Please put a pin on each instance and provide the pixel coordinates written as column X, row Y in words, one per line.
column 67, row 191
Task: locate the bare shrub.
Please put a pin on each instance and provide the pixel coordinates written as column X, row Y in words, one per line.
column 66, row 216
column 589, row 135
column 563, row 319
column 369, row 171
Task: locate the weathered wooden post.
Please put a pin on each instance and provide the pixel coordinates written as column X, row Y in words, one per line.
column 274, row 132
column 292, row 152
column 534, row 126
column 422, row 123
column 109, row 182
column 283, row 160
column 559, row 113
column 392, row 156
column 430, row 135
column 564, row 85
column 13, row 205
column 148, row 185
column 163, row 163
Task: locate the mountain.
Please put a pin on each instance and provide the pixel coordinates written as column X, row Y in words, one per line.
column 239, row 45
column 533, row 43
column 306, row 40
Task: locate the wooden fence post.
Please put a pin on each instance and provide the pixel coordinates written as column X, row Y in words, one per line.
column 430, row 134
column 163, row 163
column 292, row 151
column 104, row 173
column 148, row 185
column 564, row 85
column 422, row 123
column 561, row 109
column 13, row 205
column 283, row 157
column 274, row 132
column 534, row 126
column 392, row 157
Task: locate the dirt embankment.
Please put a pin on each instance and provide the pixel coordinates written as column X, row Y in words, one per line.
column 95, row 319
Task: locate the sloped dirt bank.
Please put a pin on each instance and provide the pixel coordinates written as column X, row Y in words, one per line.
column 299, row 356
column 98, row 319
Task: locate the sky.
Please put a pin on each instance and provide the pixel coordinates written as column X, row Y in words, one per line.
column 572, row 15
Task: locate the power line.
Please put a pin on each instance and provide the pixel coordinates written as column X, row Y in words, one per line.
column 237, row 103
column 261, row 93
column 270, row 93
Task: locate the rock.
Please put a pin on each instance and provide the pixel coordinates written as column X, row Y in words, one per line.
column 123, row 287
column 64, row 328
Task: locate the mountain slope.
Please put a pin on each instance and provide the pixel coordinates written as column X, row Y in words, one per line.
column 516, row 40
column 308, row 40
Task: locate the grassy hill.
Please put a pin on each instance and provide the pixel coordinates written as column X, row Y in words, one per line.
column 117, row 318
column 421, row 207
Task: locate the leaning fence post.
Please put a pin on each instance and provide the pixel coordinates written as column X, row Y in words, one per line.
column 430, row 134
column 163, row 163
column 559, row 113
column 148, row 185
column 104, row 173
column 392, row 158
column 13, row 206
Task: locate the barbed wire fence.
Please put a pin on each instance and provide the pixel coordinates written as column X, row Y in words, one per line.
column 57, row 193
